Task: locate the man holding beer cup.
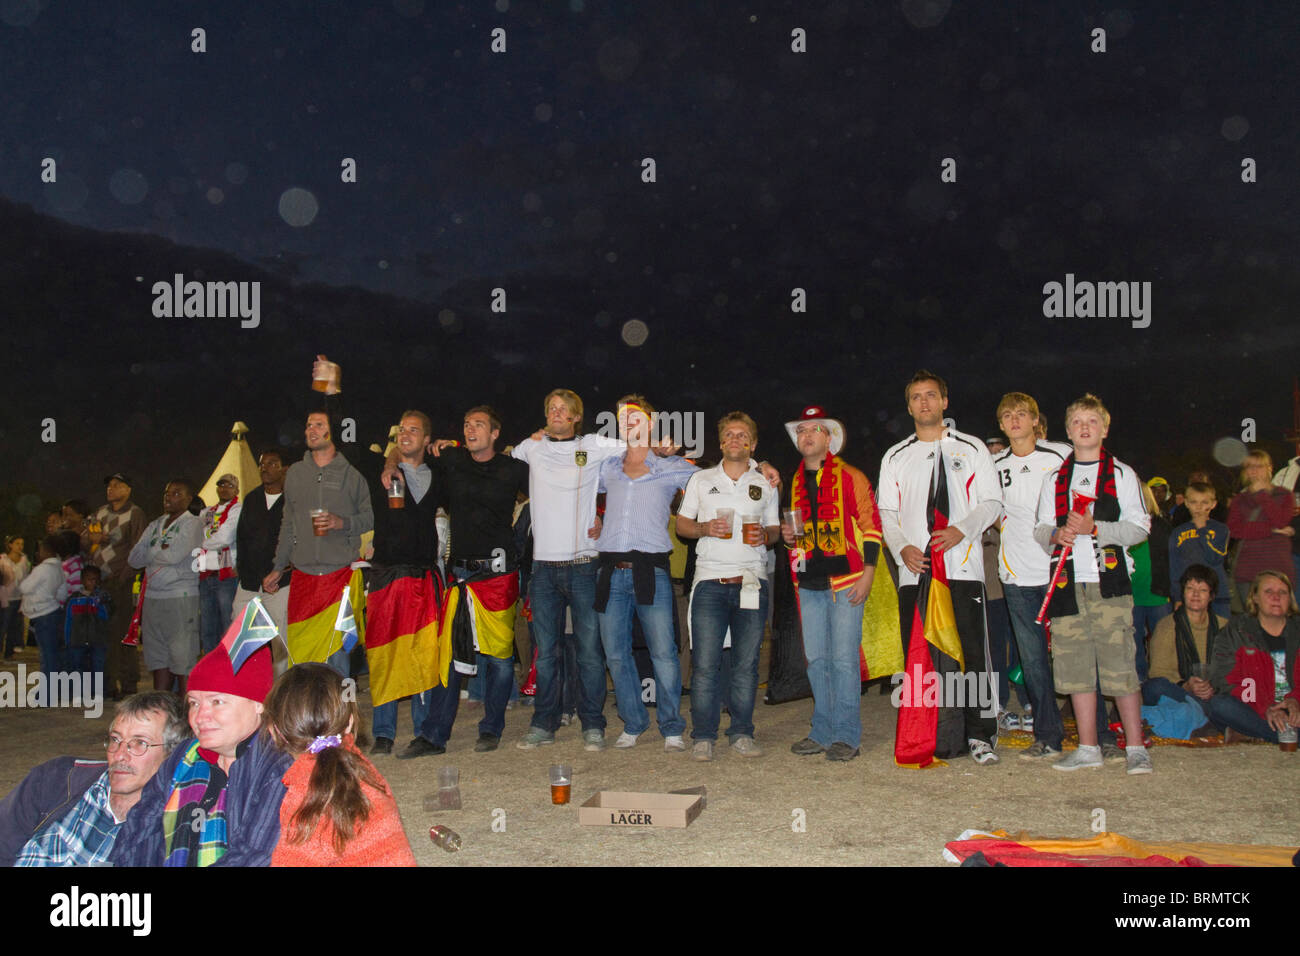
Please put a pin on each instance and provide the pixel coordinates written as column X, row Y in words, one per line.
column 732, row 509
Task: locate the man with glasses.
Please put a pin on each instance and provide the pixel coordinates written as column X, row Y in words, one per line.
column 68, row 812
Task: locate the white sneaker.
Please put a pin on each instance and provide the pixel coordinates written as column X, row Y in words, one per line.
column 674, row 744
column 626, row 741
column 1080, row 759
column 703, row 750
column 746, row 747
column 981, row 752
column 1138, row 760
column 1007, row 721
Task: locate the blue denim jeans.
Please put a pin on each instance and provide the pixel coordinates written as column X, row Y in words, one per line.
column 1035, row 662
column 616, row 637
column 11, row 628
column 477, row 684
column 1145, row 620
column 383, row 722
column 444, row 702
column 1224, row 710
column 832, row 638
column 49, row 639
column 1153, row 688
column 216, row 601
column 714, row 608
column 551, row 588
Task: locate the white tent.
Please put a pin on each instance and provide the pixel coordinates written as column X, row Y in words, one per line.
column 238, row 461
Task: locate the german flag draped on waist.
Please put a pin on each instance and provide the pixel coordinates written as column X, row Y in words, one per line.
column 313, row 612
column 478, row 611
column 933, row 648
column 403, row 617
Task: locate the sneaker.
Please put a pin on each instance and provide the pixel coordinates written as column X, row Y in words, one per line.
column 1007, row 721
column 624, row 742
column 536, row 737
column 674, row 744
column 703, row 750
column 382, row 745
column 746, row 747
column 1041, row 751
column 593, row 740
column 1113, row 753
column 981, row 751
column 1089, row 757
column 840, row 751
column 1138, row 760
column 807, row 747
column 1027, row 719
column 486, row 743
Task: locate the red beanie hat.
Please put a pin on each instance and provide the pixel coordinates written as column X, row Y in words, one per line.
column 214, row 674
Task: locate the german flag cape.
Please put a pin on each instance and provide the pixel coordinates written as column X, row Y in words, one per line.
column 314, row 609
column 933, row 649
column 403, row 613
column 481, row 608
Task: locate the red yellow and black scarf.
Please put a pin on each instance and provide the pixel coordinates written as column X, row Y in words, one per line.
column 1111, row 563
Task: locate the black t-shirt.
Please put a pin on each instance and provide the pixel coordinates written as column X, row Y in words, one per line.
column 481, row 497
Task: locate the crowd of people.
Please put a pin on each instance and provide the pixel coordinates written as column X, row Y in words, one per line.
column 1065, row 575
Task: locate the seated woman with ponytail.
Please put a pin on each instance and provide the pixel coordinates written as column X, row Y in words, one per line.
column 338, row 810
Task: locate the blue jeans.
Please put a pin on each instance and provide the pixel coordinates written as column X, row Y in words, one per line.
column 832, row 639
column 49, row 639
column 477, row 685
column 383, row 722
column 616, row 636
column 1002, row 647
column 1156, row 687
column 714, row 608
column 216, row 601
column 551, row 588
column 1035, row 662
column 1145, row 620
column 1224, row 710
column 444, row 702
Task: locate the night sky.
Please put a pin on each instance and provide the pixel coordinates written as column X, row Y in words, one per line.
column 522, row 170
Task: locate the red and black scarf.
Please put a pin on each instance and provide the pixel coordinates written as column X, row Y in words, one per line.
column 1111, row 563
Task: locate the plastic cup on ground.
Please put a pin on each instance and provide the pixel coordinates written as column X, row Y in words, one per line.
column 561, row 783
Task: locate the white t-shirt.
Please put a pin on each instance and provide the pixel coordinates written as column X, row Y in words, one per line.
column 1021, row 560
column 562, row 479
column 974, row 500
column 712, row 489
column 1084, row 481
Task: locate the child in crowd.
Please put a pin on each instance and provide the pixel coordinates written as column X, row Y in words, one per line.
column 1202, row 540
column 85, row 629
column 338, row 810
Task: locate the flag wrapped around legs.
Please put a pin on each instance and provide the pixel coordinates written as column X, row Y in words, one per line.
column 314, row 601
column 925, row 726
column 403, row 611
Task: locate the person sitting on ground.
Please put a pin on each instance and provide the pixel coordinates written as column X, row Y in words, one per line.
column 1201, row 540
column 216, row 800
column 68, row 811
column 1184, row 642
column 339, row 810
column 1253, row 668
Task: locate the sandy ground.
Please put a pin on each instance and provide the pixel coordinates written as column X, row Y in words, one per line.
column 864, row 812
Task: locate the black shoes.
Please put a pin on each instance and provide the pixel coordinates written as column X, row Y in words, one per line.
column 485, row 743
column 382, row 745
column 841, row 751
column 419, row 747
column 807, row 747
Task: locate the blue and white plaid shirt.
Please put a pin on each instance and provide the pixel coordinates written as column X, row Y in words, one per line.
column 83, row 837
